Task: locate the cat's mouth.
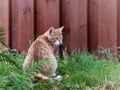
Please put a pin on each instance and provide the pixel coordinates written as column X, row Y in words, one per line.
column 57, row 43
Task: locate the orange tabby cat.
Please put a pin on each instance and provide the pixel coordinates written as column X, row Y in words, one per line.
column 43, row 47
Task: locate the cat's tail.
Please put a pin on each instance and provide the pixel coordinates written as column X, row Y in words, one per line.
column 40, row 76
column 45, row 78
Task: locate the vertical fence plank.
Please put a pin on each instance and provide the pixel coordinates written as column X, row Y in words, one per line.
column 103, row 24
column 118, row 22
column 4, row 18
column 47, row 14
column 108, row 24
column 93, row 24
column 26, row 24
column 74, row 17
column 14, row 24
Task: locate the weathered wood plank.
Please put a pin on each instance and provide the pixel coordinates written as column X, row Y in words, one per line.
column 93, row 24
column 74, row 17
column 118, row 22
column 4, row 18
column 107, row 26
column 14, row 24
column 25, row 24
column 47, row 15
column 102, row 24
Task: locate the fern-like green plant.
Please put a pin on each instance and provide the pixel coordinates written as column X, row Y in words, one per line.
column 6, row 56
column 2, row 39
column 80, row 71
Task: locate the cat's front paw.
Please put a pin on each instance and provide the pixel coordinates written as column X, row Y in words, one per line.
column 54, row 74
column 58, row 78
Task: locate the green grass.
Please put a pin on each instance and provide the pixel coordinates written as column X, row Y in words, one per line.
column 79, row 72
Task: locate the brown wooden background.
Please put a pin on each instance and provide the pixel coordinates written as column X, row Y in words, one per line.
column 88, row 23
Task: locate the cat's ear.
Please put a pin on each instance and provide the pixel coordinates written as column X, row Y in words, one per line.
column 51, row 30
column 61, row 29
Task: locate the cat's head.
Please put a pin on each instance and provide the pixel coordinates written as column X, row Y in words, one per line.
column 55, row 36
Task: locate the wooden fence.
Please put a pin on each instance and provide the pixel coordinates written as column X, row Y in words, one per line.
column 88, row 23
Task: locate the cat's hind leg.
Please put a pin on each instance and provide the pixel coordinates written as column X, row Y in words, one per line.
column 27, row 61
